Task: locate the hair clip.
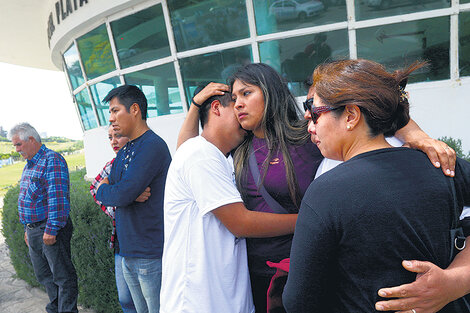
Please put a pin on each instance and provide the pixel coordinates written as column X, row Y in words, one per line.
column 403, row 94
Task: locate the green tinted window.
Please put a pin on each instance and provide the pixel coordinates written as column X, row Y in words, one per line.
column 280, row 15
column 141, row 37
column 401, row 44
column 99, row 91
column 296, row 58
column 96, row 54
column 86, row 110
column 160, row 87
column 72, row 64
column 203, row 23
column 369, row 9
column 464, row 43
column 212, row 67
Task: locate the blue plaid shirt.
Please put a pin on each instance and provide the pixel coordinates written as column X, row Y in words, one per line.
column 44, row 191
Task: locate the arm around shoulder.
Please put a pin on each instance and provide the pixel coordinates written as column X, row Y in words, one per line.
column 438, row 152
column 434, row 287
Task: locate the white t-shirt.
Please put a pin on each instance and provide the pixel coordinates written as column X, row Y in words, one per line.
column 204, row 265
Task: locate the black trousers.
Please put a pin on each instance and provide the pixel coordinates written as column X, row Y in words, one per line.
column 259, row 289
column 53, row 268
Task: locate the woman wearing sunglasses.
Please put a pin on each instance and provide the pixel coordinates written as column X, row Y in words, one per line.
column 124, row 295
column 383, row 205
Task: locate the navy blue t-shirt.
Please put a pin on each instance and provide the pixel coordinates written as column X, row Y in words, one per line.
column 141, row 163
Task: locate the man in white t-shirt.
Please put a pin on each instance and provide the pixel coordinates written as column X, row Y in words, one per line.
column 204, row 258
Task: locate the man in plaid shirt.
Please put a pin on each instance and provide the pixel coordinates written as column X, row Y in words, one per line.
column 44, row 206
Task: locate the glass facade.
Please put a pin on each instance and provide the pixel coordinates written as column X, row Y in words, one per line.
column 95, row 51
column 296, row 58
column 212, row 67
column 98, row 92
column 464, row 44
column 380, row 8
column 198, row 24
column 160, row 88
column 72, row 63
column 280, row 15
column 86, row 110
column 141, row 37
column 169, row 55
column 395, row 45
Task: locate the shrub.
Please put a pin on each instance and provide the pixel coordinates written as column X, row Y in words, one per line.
column 456, row 144
column 92, row 258
column 13, row 231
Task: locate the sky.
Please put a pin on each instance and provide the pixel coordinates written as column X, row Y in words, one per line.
column 39, row 97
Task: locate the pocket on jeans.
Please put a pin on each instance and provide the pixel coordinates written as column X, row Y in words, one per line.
column 150, row 266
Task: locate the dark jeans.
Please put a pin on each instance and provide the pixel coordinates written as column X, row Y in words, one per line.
column 259, row 289
column 54, row 269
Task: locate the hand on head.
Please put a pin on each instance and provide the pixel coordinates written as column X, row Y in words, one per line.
column 211, row 89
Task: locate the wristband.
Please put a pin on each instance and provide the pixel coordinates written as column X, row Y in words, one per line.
column 196, row 104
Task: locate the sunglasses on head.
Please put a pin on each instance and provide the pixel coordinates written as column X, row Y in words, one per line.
column 315, row 112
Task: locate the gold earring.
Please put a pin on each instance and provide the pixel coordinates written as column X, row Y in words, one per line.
column 348, row 127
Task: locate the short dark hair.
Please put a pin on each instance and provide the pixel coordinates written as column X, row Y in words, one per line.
column 127, row 95
column 224, row 100
column 378, row 93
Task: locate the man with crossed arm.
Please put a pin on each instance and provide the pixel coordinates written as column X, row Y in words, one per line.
column 143, row 162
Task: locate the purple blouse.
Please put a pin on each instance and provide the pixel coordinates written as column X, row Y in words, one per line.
column 306, row 159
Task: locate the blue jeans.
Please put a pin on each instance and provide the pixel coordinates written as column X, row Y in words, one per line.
column 144, row 279
column 53, row 267
column 124, row 294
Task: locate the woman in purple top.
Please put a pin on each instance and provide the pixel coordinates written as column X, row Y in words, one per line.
column 286, row 159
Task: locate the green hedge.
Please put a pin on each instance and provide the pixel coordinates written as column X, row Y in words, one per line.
column 13, row 231
column 92, row 258
column 456, row 144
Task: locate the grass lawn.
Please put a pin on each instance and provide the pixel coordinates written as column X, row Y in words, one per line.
column 7, row 147
column 11, row 174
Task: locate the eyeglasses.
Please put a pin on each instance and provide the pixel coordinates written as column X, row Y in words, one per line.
column 308, row 104
column 315, row 112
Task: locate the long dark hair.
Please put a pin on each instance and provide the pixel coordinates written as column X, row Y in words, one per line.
column 282, row 125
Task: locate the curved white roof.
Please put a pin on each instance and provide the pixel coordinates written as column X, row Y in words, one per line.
column 23, row 33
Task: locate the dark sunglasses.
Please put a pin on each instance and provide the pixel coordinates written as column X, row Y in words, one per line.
column 308, row 104
column 315, row 112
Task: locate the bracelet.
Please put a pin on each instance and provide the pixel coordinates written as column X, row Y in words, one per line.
column 196, row 104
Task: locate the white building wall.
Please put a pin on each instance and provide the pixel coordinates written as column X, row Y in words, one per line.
column 98, row 150
column 443, row 109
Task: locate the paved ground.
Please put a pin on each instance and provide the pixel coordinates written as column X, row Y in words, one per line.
column 16, row 296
